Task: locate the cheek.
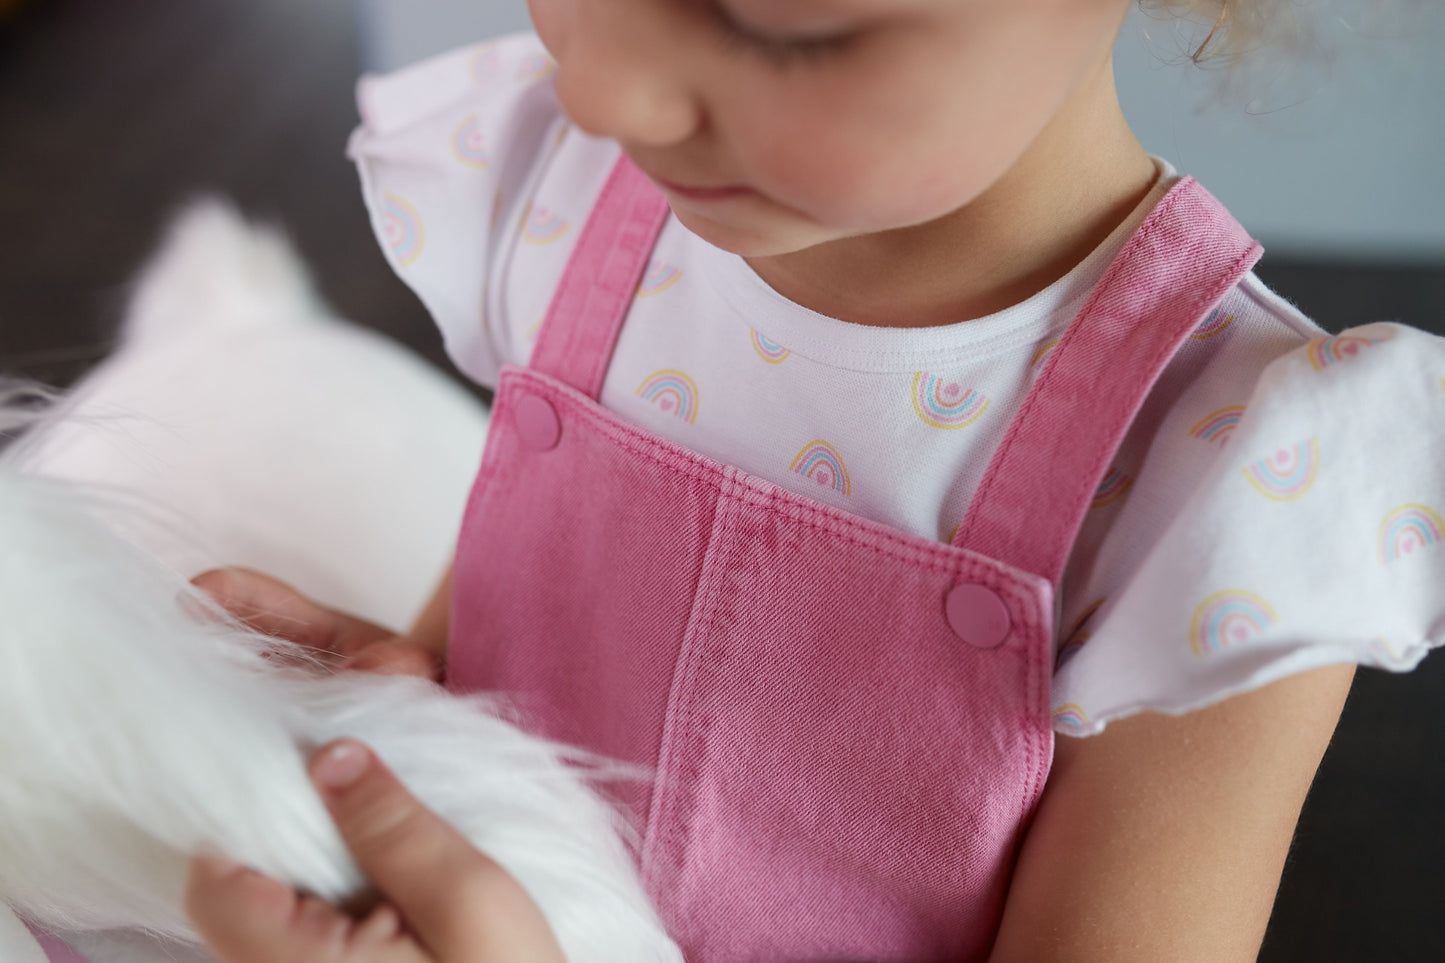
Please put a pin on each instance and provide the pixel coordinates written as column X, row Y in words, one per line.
column 547, row 21
column 867, row 162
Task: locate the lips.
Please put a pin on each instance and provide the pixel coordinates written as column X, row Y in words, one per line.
column 704, row 193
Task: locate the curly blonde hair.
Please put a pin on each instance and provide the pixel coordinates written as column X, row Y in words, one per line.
column 1233, row 28
column 1228, row 30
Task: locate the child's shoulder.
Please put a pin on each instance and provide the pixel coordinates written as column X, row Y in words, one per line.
column 451, row 152
column 488, row 77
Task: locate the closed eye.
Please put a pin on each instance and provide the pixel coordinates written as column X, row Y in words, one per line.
column 779, row 51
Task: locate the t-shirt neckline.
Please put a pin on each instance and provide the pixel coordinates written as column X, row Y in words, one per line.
column 859, row 347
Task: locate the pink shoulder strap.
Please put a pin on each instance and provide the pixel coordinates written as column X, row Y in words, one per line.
column 1176, row 268
column 576, row 340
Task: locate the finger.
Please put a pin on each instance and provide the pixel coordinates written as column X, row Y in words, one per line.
column 397, row 657
column 249, row 918
column 242, row 915
column 274, row 608
column 459, row 903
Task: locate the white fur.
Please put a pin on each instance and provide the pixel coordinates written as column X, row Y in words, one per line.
column 240, row 424
column 276, row 435
column 214, row 268
column 132, row 731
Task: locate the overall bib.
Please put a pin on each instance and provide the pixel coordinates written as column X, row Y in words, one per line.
column 848, row 724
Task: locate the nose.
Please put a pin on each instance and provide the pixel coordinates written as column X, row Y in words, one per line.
column 627, row 85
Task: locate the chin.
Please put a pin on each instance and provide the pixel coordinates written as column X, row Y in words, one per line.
column 761, row 238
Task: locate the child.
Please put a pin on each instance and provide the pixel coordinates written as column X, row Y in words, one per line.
column 870, row 408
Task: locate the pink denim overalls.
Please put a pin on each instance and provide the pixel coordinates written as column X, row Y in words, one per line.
column 849, row 724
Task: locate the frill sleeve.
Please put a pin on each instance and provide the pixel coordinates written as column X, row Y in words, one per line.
column 1316, row 538
column 449, row 151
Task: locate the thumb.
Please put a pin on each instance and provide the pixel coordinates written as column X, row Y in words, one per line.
column 455, row 900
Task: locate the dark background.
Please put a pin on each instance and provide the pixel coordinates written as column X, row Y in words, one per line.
column 114, row 112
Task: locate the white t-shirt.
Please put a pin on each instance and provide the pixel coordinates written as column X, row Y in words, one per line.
column 1275, row 507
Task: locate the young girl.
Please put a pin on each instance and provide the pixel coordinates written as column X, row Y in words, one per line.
column 871, row 407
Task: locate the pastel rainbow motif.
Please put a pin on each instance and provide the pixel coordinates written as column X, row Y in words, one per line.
column 821, row 462
column 541, row 226
column 532, row 331
column 1324, row 352
column 1218, row 425
column 1076, row 638
column 768, row 351
column 1380, row 648
column 1043, row 354
column 659, row 277
column 1231, row 617
column 486, row 63
column 1214, row 324
column 402, row 229
column 1114, row 487
column 672, row 391
column 535, row 66
column 1406, row 529
column 943, row 404
column 467, row 144
column 1070, row 716
column 1288, row 473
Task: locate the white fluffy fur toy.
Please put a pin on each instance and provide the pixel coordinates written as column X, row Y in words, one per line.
column 132, row 730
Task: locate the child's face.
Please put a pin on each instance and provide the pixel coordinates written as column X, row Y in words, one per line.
column 823, row 118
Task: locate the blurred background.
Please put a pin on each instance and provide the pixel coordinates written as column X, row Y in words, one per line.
column 114, row 112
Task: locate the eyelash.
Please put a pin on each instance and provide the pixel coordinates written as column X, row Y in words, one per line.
column 782, row 53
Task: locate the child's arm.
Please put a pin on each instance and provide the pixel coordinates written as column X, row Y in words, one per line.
column 432, row 625
column 1163, row 838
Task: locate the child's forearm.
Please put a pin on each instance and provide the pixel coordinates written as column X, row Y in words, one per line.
column 431, row 626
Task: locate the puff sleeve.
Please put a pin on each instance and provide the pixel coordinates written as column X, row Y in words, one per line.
column 449, row 150
column 1315, row 538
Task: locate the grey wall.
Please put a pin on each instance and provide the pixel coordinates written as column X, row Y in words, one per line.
column 1322, row 158
column 397, row 32
column 1337, row 157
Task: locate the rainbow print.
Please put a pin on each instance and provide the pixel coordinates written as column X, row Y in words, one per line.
column 1324, row 352
column 1071, row 717
column 1114, row 487
column 532, row 331
column 768, row 351
column 1288, row 473
column 1042, row 355
column 1228, row 618
column 541, row 226
column 535, row 66
column 1214, row 324
column 672, row 391
column 943, row 404
column 1406, row 530
column 1076, row 637
column 1218, row 425
column 821, row 462
column 1068, row 651
column 467, row 144
column 402, row 229
column 486, row 63
column 659, row 277
column 1381, row 650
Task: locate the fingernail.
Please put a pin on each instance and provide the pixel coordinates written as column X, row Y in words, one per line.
column 341, row 764
column 216, row 864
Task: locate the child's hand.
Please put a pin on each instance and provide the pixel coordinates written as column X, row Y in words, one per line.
column 271, row 606
column 458, row 906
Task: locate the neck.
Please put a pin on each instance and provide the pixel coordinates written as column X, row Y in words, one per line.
column 1078, row 180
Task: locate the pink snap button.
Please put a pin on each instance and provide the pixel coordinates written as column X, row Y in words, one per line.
column 537, row 423
column 977, row 615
